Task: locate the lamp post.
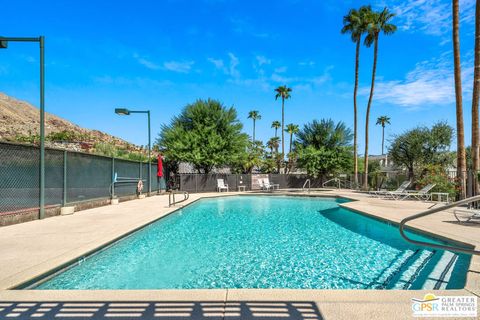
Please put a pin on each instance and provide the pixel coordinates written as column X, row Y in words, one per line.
column 41, row 40
column 127, row 112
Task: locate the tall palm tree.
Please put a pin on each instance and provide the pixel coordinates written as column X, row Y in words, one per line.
column 254, row 115
column 276, row 124
column 378, row 22
column 383, row 121
column 291, row 129
column 355, row 24
column 273, row 144
column 325, row 134
column 461, row 159
column 475, row 98
column 284, row 93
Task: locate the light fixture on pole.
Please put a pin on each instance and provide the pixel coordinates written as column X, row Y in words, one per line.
column 41, row 40
column 127, row 112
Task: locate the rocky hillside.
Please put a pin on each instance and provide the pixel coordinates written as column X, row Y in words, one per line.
column 19, row 121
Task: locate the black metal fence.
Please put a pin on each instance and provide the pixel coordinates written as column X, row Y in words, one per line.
column 70, row 177
column 195, row 182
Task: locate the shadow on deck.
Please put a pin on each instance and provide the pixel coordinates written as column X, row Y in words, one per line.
column 161, row 310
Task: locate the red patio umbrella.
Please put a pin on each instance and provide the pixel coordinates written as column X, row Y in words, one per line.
column 159, row 166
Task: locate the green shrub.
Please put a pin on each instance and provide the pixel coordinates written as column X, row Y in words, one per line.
column 437, row 175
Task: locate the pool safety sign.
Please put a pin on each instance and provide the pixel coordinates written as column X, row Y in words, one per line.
column 445, row 306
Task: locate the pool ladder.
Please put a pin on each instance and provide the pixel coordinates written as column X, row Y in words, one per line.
column 171, row 198
column 305, row 184
column 432, row 211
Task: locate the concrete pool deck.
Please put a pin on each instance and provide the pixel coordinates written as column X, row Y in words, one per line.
column 31, row 249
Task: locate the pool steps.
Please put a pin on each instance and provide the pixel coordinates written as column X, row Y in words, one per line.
column 430, row 267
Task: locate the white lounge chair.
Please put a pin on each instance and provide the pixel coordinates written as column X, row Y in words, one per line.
column 221, row 185
column 384, row 193
column 422, row 194
column 266, row 185
column 465, row 215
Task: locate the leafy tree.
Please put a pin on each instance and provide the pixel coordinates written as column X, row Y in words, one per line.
column 378, row 22
column 276, row 125
column 284, row 93
column 291, row 130
column 324, row 147
column 383, row 121
column 252, row 158
column 325, row 133
column 421, row 145
column 205, row 134
column 436, row 174
column 254, row 115
column 273, row 144
column 322, row 161
column 355, row 23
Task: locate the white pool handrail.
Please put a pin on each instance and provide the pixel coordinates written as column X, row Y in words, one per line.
column 306, row 182
column 432, row 211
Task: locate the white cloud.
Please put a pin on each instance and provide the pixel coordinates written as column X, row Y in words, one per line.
column 306, row 63
column 234, row 62
column 179, row 66
column 128, row 82
column 231, row 68
column 280, row 69
column 430, row 83
column 432, row 17
column 145, row 62
column 218, row 63
column 261, row 60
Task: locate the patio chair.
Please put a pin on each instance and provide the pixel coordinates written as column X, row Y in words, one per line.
column 422, row 194
column 269, row 186
column 221, row 185
column 465, row 215
column 384, row 193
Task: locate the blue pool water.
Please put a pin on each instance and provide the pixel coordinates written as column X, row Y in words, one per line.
column 266, row 242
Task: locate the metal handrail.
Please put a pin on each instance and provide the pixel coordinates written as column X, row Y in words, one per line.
column 171, row 196
column 432, row 211
column 306, row 181
column 325, row 183
column 340, row 181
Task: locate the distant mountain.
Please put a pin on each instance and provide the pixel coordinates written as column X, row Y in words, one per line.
column 20, row 120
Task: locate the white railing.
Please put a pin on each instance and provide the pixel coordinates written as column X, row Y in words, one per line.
column 305, row 184
column 432, row 211
column 171, row 198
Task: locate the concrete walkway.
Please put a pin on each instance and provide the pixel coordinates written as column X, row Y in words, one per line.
column 31, row 249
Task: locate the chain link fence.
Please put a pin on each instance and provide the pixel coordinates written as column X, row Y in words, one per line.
column 70, row 177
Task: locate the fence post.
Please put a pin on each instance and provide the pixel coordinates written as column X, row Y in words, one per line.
column 64, row 178
column 113, row 177
column 196, row 183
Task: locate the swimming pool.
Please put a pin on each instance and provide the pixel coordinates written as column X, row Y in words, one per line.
column 265, row 242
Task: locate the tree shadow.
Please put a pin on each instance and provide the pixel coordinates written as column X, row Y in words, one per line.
column 161, row 310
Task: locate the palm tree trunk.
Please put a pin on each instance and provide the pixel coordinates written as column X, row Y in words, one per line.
column 461, row 161
column 253, row 130
column 276, row 132
column 372, row 87
column 475, row 98
column 290, row 147
column 383, row 138
column 283, row 129
column 355, row 89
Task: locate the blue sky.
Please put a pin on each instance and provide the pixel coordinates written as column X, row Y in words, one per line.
column 162, row 55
